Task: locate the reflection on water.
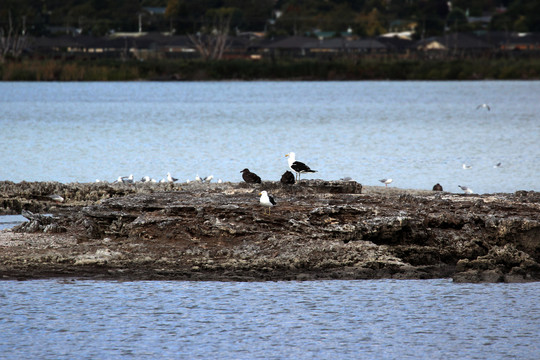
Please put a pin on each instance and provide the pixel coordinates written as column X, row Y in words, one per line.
column 384, row 319
column 417, row 133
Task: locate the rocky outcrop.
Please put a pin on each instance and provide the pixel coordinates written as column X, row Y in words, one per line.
column 318, row 230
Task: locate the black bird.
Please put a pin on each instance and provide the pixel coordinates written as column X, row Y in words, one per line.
column 250, row 177
column 287, row 178
column 437, row 187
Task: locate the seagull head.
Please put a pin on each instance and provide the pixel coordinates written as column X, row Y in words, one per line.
column 291, row 155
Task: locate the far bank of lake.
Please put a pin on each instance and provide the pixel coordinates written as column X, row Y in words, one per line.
column 294, row 69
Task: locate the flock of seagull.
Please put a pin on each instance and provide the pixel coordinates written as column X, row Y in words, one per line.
column 299, row 168
column 168, row 179
column 466, row 189
column 288, row 177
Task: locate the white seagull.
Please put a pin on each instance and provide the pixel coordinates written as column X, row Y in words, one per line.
column 170, row 178
column 208, row 178
column 466, row 167
column 497, row 165
column 466, row 189
column 267, row 200
column 485, row 106
column 386, row 181
column 297, row 166
column 125, row 179
column 56, row 197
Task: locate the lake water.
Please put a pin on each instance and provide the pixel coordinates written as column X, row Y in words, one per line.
column 383, row 319
column 418, row 133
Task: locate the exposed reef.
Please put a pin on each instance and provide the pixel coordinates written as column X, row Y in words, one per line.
column 318, row 230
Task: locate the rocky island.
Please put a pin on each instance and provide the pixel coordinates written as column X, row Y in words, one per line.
column 317, row 230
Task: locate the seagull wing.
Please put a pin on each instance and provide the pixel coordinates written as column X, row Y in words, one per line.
column 300, row 167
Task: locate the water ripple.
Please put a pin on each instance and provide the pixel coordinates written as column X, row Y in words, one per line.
column 305, row 320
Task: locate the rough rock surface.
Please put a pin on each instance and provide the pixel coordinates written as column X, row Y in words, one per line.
column 318, row 230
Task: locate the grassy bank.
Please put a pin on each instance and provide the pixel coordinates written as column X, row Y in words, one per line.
column 303, row 69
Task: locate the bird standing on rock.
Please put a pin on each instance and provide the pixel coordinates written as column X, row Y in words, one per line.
column 287, row 178
column 267, row 200
column 297, row 166
column 249, row 177
column 386, row 181
column 170, row 178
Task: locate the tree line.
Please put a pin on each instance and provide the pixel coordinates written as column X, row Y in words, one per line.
column 275, row 17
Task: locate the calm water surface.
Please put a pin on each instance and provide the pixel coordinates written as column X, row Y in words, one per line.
column 385, row 319
column 418, row 133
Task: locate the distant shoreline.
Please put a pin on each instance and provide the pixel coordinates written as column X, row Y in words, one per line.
column 270, row 70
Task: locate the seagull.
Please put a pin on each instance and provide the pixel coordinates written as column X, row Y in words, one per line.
column 250, row 177
column 466, row 167
column 220, row 181
column 267, row 200
column 146, row 179
column 466, row 189
column 297, row 166
column 208, row 178
column 128, row 180
column 497, row 165
column 386, row 181
column 287, row 178
column 485, row 106
column 56, row 198
column 197, row 178
column 170, row 178
column 125, row 179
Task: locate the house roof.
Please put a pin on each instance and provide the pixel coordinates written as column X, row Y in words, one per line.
column 297, row 42
column 293, row 42
column 395, row 42
column 366, row 44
